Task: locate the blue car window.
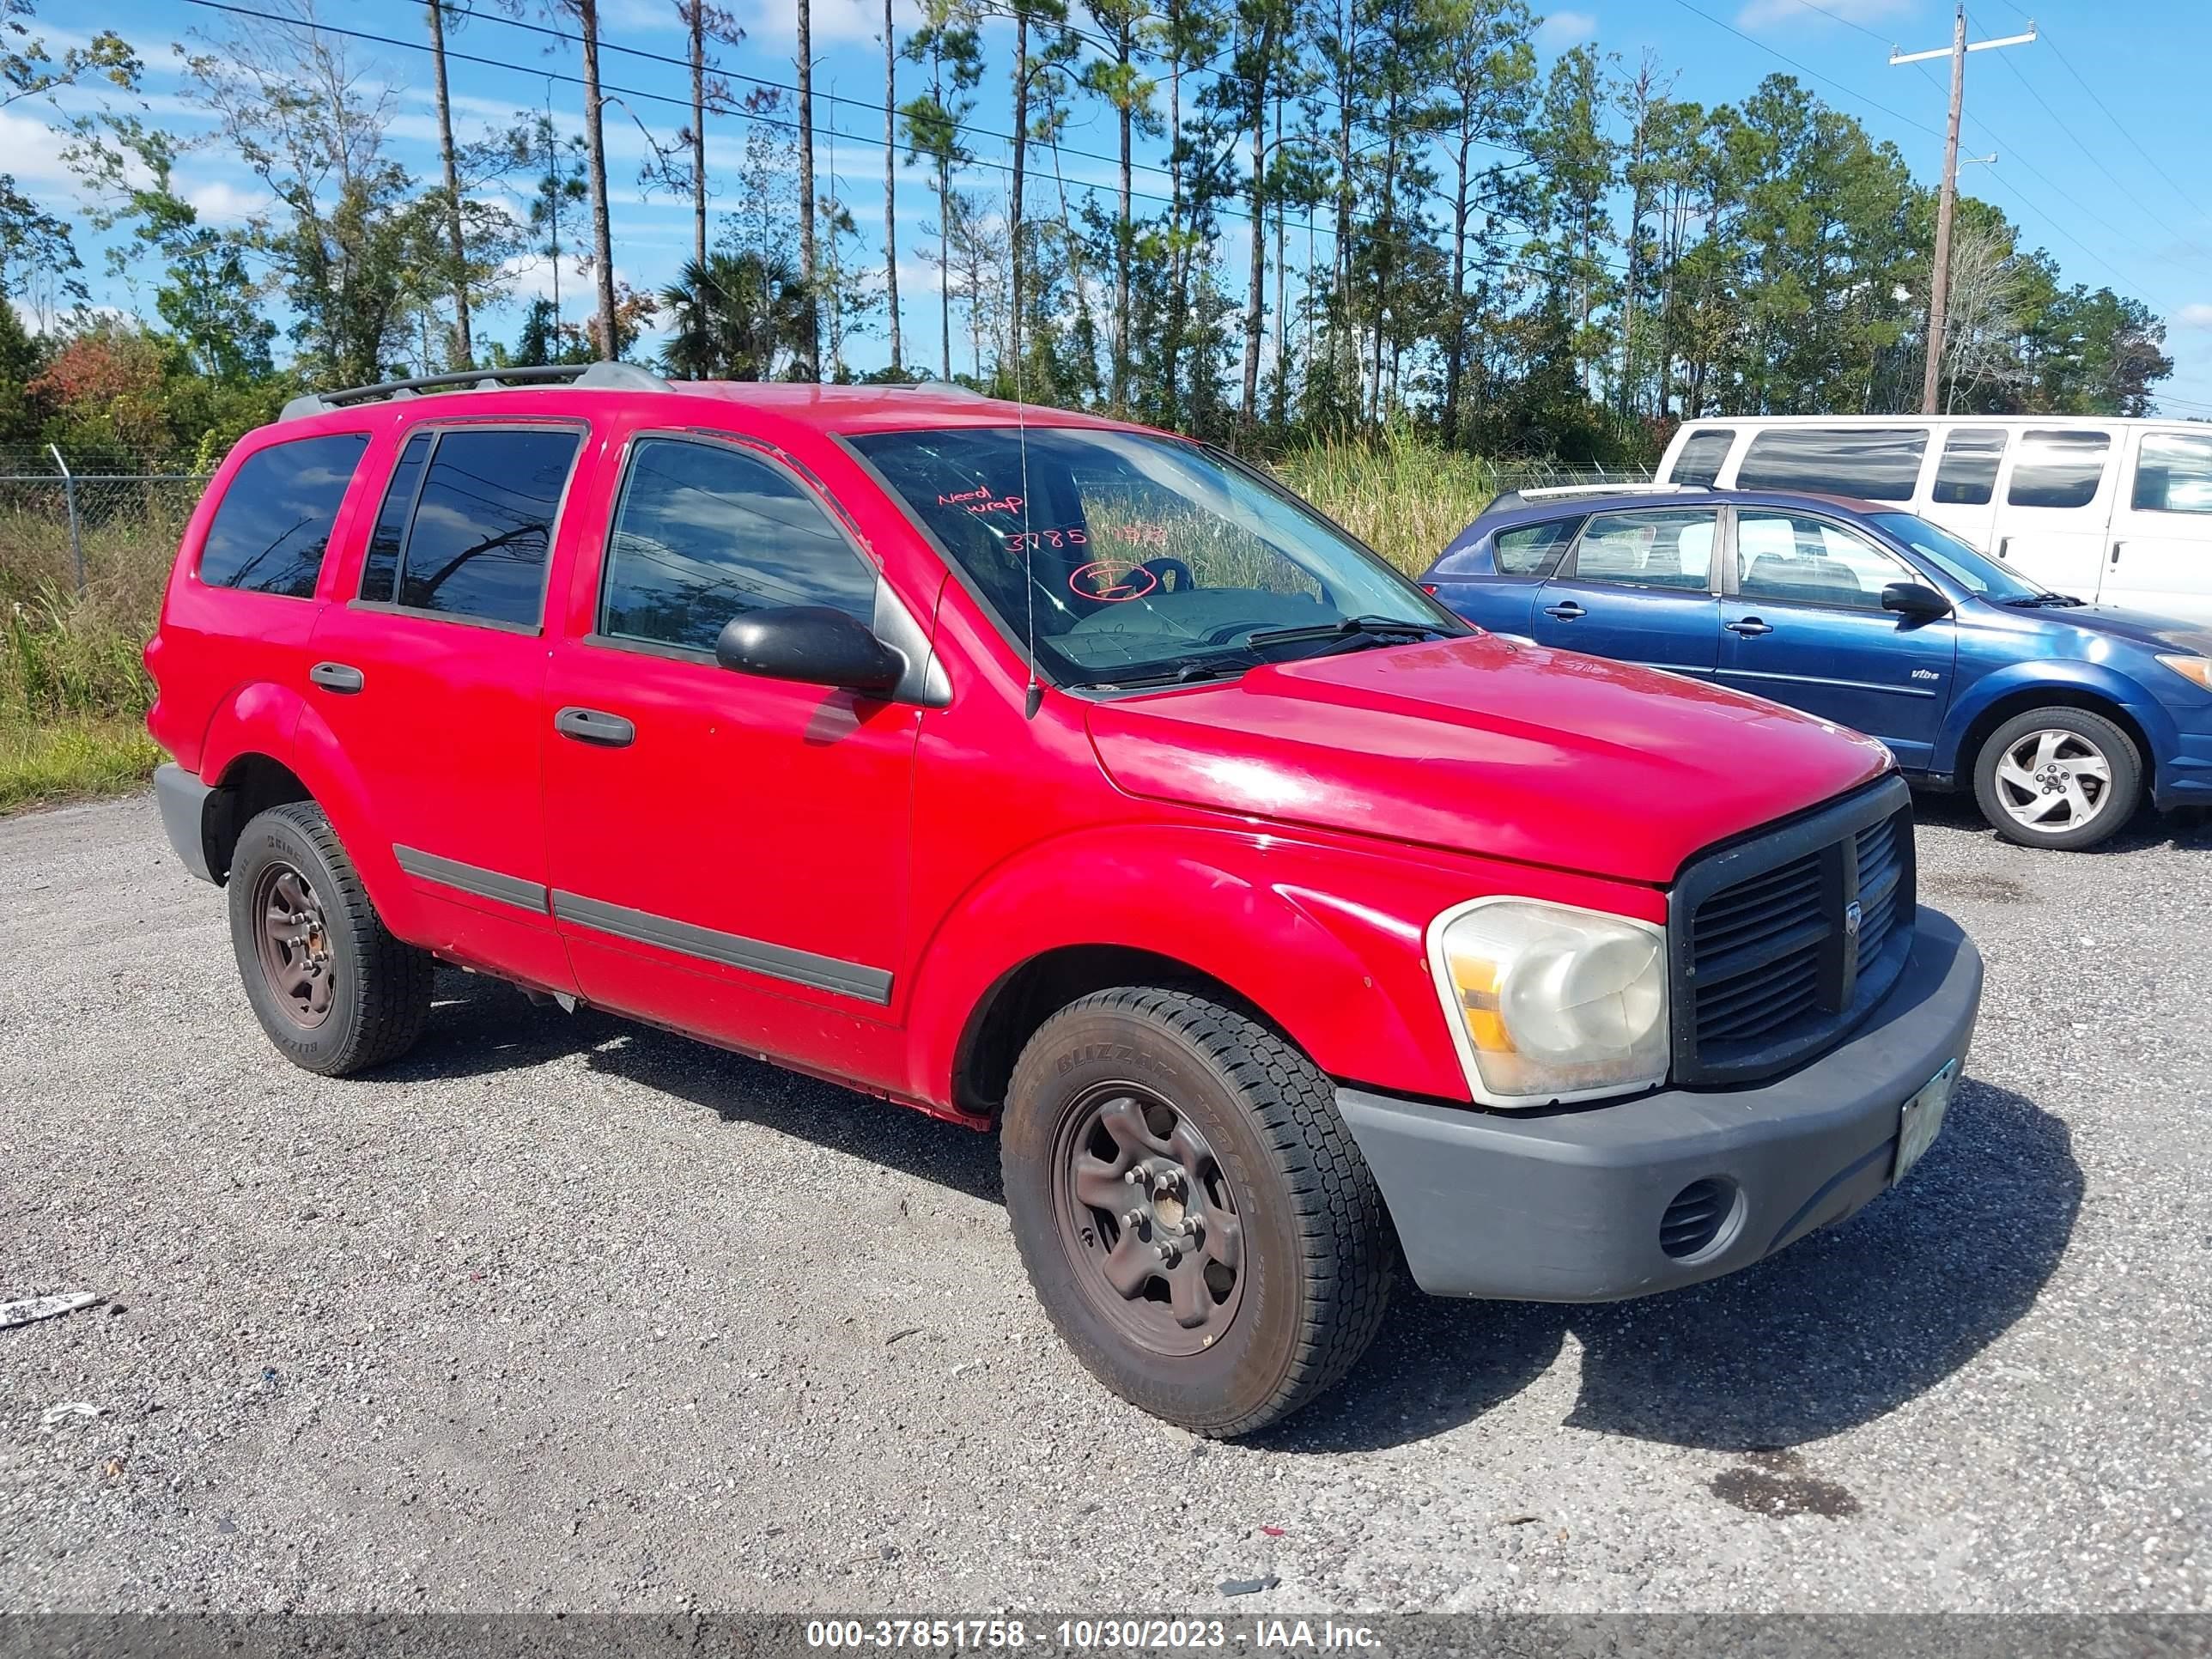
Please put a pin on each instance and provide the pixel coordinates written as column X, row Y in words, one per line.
column 1655, row 547
column 1793, row 560
column 1534, row 549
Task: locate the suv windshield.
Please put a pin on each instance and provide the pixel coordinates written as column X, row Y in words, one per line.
column 1139, row 559
column 1975, row 571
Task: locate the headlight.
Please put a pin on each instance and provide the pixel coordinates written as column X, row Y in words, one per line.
column 1551, row 1002
column 2196, row 669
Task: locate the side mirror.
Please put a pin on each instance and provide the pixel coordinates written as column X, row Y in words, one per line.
column 813, row 644
column 1915, row 601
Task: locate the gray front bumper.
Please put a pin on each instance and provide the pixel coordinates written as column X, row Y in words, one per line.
column 1565, row 1206
column 183, row 800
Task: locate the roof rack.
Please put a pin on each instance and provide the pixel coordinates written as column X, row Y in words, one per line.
column 611, row 376
column 1645, row 488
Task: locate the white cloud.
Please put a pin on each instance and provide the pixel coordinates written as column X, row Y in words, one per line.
column 2194, row 316
column 33, row 150
column 1562, row 29
column 219, row 203
column 834, row 22
column 1760, row 13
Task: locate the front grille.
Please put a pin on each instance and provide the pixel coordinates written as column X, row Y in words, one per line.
column 1782, row 941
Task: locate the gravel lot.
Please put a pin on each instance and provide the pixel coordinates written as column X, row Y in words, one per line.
column 561, row 1313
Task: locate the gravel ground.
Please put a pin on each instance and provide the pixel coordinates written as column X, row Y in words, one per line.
column 557, row 1314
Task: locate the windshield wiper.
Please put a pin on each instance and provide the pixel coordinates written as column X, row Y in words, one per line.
column 1197, row 668
column 1375, row 628
column 2030, row 601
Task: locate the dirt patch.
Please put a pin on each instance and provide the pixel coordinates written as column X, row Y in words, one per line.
column 1977, row 885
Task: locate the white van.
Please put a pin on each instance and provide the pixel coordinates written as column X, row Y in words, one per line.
column 2118, row 512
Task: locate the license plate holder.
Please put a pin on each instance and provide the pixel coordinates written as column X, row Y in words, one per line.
column 1921, row 1119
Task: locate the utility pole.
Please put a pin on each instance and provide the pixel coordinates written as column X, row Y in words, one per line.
column 1939, row 286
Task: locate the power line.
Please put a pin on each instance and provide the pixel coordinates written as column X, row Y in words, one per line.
column 607, row 88
column 1804, row 69
column 2194, row 204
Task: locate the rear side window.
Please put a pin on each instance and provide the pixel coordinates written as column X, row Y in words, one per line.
column 477, row 524
column 274, row 523
column 705, row 533
column 1699, row 462
column 380, row 572
column 1967, row 474
column 2058, row 469
column 2174, row 473
column 1533, row 550
column 1657, row 547
column 1880, row 464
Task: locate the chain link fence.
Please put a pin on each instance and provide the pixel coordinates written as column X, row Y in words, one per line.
column 107, row 535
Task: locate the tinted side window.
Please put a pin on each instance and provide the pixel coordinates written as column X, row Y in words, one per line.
column 2058, row 469
column 484, row 522
column 1879, row 464
column 704, row 533
column 1967, row 474
column 1657, row 547
column 1802, row 560
column 274, row 522
column 1699, row 462
column 1533, row 550
column 380, row 572
column 2174, row 473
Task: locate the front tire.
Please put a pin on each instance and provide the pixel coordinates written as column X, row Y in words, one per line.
column 2059, row 777
column 334, row 989
column 1192, row 1211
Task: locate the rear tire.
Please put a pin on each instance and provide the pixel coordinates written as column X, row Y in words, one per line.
column 2061, row 777
column 332, row 986
column 1259, row 1261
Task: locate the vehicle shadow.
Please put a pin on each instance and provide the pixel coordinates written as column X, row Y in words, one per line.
column 1836, row 1331
column 2188, row 826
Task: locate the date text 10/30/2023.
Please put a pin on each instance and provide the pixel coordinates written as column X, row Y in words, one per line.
column 1092, row 1635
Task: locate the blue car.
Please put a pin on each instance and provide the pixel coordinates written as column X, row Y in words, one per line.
column 2061, row 717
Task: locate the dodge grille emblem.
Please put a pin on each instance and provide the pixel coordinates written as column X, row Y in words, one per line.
column 1851, row 920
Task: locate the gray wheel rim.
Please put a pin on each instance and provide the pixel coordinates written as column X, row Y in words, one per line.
column 2054, row 781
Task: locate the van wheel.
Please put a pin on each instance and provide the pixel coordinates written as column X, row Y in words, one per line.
column 2058, row 777
column 333, row 988
column 1192, row 1210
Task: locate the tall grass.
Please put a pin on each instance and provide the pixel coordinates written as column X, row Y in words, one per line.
column 1403, row 495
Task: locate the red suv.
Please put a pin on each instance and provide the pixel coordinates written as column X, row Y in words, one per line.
column 1059, row 776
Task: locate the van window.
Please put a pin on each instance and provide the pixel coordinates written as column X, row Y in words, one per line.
column 1703, row 452
column 1880, row 465
column 1655, row 547
column 2174, row 473
column 2058, row 468
column 1534, row 549
column 704, row 533
column 475, row 545
column 274, row 522
column 1800, row 561
column 1967, row 474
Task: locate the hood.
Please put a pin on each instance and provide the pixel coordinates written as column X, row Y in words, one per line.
column 1485, row 746
column 2112, row 621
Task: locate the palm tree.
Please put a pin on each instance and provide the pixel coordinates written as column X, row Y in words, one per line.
column 737, row 317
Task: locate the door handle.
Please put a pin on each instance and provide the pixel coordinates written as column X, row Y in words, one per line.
column 336, row 676
column 1749, row 628
column 1565, row 611
column 2004, row 545
column 592, row 725
column 2116, row 552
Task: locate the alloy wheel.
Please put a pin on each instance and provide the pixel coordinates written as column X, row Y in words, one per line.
column 2054, row 781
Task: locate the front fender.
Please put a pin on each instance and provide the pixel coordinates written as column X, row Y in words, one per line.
column 1326, row 939
column 2077, row 679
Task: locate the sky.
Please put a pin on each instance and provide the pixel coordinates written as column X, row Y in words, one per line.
column 2101, row 127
